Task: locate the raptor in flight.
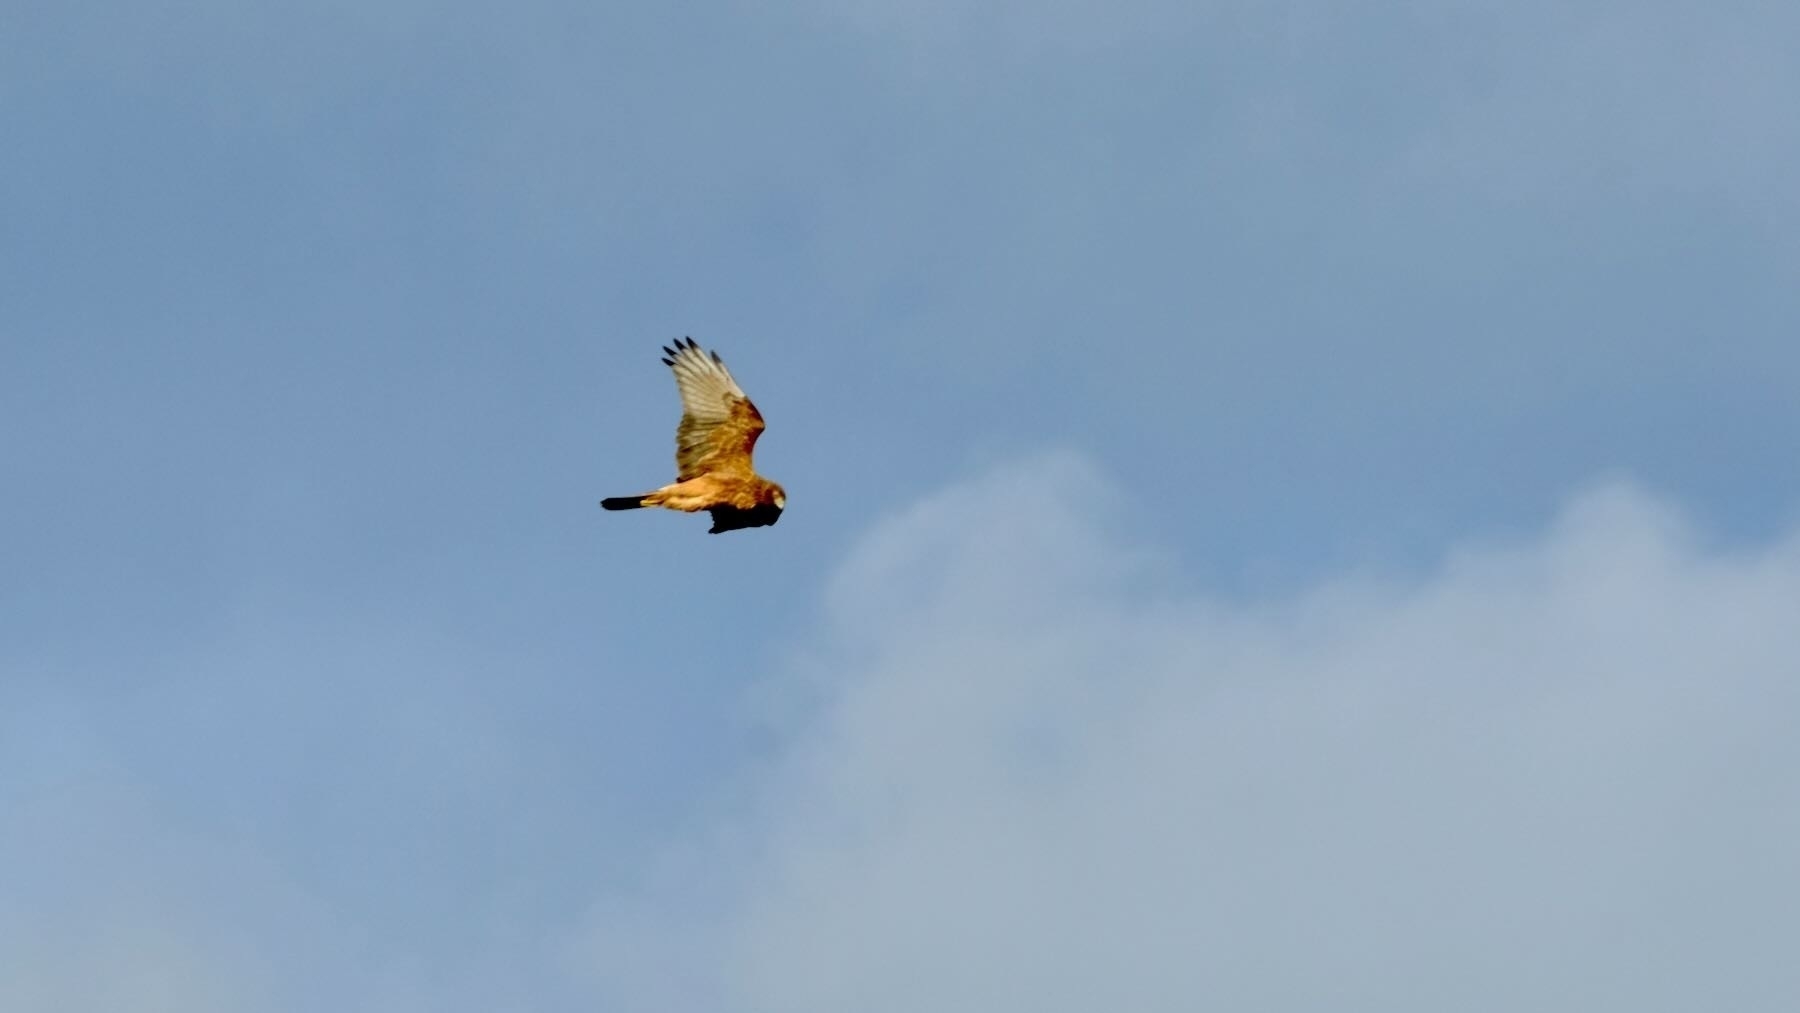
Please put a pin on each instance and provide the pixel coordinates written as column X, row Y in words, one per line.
column 718, row 430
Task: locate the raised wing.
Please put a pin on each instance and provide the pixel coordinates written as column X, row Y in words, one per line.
column 719, row 425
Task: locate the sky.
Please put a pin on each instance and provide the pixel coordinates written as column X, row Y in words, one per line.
column 1291, row 506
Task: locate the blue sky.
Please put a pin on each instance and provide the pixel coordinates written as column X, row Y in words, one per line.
column 1368, row 429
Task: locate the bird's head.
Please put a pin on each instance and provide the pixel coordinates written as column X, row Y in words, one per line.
column 778, row 496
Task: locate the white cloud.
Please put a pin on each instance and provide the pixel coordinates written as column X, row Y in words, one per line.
column 1554, row 774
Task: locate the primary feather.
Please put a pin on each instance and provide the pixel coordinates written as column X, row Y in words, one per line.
column 719, row 424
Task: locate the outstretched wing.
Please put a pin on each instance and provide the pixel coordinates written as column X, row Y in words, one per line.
column 719, row 425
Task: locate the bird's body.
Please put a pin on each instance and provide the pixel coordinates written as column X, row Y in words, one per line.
column 713, row 446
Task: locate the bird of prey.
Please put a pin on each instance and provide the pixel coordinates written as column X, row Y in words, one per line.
column 718, row 430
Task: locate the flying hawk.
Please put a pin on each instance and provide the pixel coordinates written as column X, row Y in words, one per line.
column 718, row 430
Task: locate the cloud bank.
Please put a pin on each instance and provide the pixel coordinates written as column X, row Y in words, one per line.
column 1030, row 771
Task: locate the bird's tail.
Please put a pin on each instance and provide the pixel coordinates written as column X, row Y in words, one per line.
column 624, row 502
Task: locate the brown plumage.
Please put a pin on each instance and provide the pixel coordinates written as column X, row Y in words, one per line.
column 718, row 431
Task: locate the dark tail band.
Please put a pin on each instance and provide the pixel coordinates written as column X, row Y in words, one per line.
column 622, row 502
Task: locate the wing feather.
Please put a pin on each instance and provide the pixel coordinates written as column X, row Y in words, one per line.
column 719, row 424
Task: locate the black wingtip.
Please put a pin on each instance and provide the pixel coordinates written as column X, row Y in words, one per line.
column 684, row 345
